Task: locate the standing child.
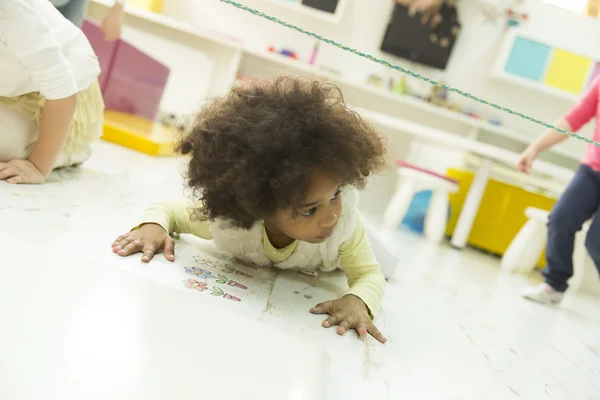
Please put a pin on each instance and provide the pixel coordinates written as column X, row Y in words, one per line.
column 274, row 167
column 50, row 102
column 579, row 202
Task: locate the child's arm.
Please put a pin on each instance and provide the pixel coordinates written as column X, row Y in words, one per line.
column 54, row 128
column 549, row 139
column 31, row 41
column 153, row 234
column 577, row 117
column 176, row 217
column 367, row 284
column 364, row 275
column 112, row 24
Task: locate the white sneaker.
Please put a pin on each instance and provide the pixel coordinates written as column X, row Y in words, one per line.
column 542, row 293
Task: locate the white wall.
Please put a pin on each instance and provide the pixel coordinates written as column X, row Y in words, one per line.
column 363, row 25
column 476, row 52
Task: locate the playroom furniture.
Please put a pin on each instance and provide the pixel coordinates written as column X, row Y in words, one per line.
column 149, row 137
column 527, row 245
column 232, row 56
column 81, row 355
column 488, row 153
column 150, row 5
column 501, row 212
column 533, row 63
column 131, row 81
column 413, row 179
column 87, row 330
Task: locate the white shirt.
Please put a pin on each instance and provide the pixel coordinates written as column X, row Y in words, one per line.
column 41, row 51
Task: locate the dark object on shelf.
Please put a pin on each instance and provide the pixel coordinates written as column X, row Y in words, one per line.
column 424, row 38
column 323, row 5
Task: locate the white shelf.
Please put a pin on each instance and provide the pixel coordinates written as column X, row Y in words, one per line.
column 499, row 73
column 297, row 7
column 265, row 61
column 528, row 84
column 404, row 100
column 159, row 19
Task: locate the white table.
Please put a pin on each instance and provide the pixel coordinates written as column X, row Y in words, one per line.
column 67, row 301
column 488, row 152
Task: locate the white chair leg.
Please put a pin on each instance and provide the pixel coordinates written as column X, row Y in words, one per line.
column 526, row 247
column 396, row 209
column 437, row 215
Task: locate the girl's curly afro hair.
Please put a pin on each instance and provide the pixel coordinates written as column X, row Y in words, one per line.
column 253, row 151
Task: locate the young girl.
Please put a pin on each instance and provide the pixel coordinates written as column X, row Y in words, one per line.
column 579, row 202
column 50, row 103
column 274, row 166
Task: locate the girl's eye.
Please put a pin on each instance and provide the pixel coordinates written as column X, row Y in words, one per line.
column 312, row 211
column 309, row 213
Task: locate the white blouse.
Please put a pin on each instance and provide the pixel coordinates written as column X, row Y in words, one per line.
column 41, row 51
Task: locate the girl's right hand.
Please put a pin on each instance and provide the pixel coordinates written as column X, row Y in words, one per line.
column 526, row 160
column 148, row 239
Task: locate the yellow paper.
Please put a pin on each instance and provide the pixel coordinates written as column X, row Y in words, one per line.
column 568, row 71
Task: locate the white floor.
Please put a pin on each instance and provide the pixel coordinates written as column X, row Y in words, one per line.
column 457, row 326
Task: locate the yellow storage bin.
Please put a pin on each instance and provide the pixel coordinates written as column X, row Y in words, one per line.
column 140, row 134
column 150, row 5
column 501, row 214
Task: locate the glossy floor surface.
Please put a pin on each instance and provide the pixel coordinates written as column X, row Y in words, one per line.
column 79, row 322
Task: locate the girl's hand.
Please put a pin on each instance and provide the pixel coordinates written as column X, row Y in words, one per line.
column 21, row 171
column 349, row 312
column 526, row 160
column 112, row 23
column 149, row 239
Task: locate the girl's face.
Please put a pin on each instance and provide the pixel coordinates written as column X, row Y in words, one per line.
column 314, row 220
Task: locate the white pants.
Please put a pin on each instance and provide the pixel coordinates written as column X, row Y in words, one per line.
column 18, row 135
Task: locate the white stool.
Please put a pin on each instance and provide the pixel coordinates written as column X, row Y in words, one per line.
column 526, row 248
column 413, row 179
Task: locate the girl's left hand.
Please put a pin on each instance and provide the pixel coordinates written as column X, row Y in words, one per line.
column 20, row 171
column 349, row 312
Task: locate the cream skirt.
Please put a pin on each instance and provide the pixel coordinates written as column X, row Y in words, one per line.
column 20, row 121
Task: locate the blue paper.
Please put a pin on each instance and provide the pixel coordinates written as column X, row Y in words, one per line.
column 528, row 59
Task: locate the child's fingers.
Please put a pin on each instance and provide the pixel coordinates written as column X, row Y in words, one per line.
column 123, row 242
column 332, row 320
column 322, row 308
column 8, row 171
column 16, row 179
column 148, row 252
column 170, row 249
column 376, row 334
column 361, row 328
column 343, row 327
column 122, row 237
column 132, row 247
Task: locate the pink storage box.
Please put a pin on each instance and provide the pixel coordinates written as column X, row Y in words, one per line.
column 131, row 81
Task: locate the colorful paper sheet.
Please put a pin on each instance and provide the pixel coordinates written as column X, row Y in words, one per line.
column 568, row 71
column 528, row 59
